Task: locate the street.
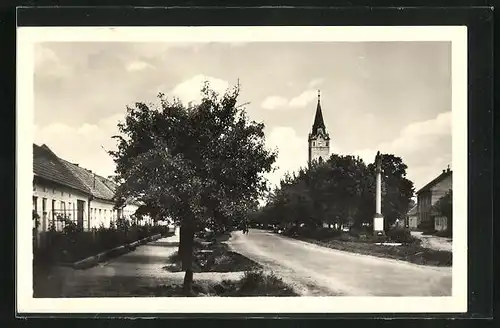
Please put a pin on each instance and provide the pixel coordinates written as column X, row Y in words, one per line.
column 312, row 270
column 317, row 271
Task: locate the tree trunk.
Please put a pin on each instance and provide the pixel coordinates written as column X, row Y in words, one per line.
column 186, row 254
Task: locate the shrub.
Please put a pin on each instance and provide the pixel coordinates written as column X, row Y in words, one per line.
column 401, row 235
column 427, row 227
column 256, row 283
column 73, row 244
column 445, row 233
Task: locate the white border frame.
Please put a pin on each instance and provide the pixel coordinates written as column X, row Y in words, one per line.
column 28, row 36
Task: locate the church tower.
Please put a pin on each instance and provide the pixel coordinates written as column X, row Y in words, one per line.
column 319, row 140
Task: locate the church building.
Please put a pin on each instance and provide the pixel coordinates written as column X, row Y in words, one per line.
column 319, row 140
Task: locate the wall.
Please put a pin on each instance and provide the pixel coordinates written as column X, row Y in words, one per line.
column 413, row 222
column 318, row 148
column 440, row 189
column 102, row 212
column 440, row 223
column 129, row 210
column 424, row 206
column 54, row 192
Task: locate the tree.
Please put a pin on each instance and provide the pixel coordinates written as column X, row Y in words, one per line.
column 340, row 190
column 444, row 206
column 201, row 165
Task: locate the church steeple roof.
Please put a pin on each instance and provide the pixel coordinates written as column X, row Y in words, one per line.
column 318, row 119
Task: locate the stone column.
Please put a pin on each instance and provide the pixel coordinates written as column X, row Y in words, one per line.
column 378, row 219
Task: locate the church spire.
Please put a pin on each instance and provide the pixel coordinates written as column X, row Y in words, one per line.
column 318, row 119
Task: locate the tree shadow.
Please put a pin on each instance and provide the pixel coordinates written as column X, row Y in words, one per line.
column 164, row 243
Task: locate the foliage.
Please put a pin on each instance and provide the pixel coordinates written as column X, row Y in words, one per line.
column 339, row 191
column 72, row 244
column 401, row 235
column 200, row 165
column 253, row 283
column 444, row 207
column 36, row 219
column 258, row 283
column 413, row 252
column 427, row 227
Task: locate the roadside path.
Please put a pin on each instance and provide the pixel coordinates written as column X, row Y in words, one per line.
column 125, row 275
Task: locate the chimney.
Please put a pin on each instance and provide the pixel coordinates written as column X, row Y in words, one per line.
column 448, row 169
column 444, row 171
column 94, row 180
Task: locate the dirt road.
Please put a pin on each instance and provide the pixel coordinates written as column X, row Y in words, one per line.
column 315, row 270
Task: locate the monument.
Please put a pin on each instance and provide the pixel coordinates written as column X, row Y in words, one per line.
column 378, row 219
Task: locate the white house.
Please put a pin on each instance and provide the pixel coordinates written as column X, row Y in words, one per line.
column 65, row 191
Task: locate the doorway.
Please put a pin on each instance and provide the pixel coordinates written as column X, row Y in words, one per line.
column 80, row 205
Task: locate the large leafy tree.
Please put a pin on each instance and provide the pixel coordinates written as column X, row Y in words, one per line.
column 341, row 190
column 201, row 165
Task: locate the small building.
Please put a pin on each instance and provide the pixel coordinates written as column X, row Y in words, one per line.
column 412, row 218
column 428, row 196
column 64, row 191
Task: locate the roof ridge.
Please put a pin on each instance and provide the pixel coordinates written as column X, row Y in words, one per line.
column 436, row 180
column 79, row 184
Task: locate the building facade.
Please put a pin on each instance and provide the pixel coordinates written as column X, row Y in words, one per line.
column 412, row 218
column 429, row 195
column 319, row 139
column 64, row 191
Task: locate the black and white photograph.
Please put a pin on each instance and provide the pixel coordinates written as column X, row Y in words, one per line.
column 242, row 169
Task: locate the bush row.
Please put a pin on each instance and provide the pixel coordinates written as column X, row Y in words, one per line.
column 397, row 235
column 72, row 244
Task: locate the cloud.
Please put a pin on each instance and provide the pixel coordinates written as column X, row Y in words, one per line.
column 274, row 102
column 138, row 65
column 316, row 82
column 421, row 146
column 279, row 102
column 292, row 151
column 47, row 63
column 304, row 98
column 190, row 90
column 83, row 144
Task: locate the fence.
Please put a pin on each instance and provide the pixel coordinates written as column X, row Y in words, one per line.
column 73, row 244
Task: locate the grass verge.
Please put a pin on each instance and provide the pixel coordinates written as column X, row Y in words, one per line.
column 253, row 283
column 412, row 253
column 214, row 256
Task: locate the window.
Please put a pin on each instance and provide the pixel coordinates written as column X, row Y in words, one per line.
column 35, row 203
column 63, row 208
column 327, row 143
column 314, row 144
column 44, row 206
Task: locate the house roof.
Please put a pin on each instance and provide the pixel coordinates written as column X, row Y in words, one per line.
column 413, row 210
column 445, row 174
column 94, row 182
column 49, row 167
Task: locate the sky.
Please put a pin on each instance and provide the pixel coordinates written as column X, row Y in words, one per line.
column 389, row 96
